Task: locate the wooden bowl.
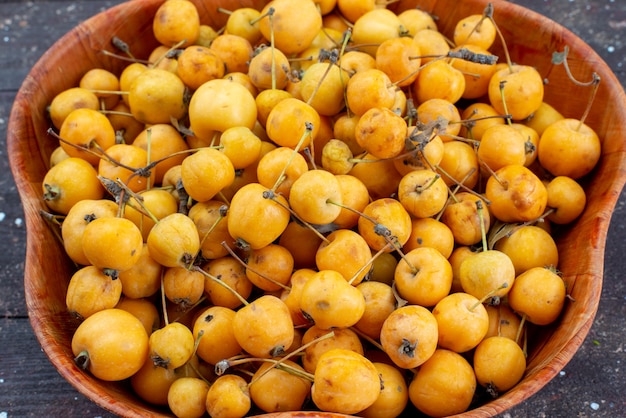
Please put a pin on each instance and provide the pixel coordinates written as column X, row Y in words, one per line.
column 531, row 39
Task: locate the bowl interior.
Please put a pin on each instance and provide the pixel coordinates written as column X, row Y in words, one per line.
column 531, row 39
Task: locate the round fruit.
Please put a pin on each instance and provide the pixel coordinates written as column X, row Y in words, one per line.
column 112, row 344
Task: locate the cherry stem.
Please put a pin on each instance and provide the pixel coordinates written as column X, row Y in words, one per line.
column 223, row 365
column 84, row 148
column 270, row 15
column 122, row 46
column 269, row 12
column 379, row 229
column 115, row 112
column 367, row 338
column 163, row 300
column 461, row 184
column 148, row 154
column 488, row 13
column 481, row 217
column 471, row 122
column 421, row 189
column 488, row 295
column 307, row 133
column 506, row 110
column 594, row 90
column 225, row 11
column 168, row 52
column 300, row 349
column 398, row 248
column 118, row 92
column 142, row 208
column 332, row 56
column 221, row 283
column 223, row 210
column 368, row 264
column 56, row 220
column 520, row 328
column 507, row 232
column 255, row 271
column 270, row 195
column 123, row 58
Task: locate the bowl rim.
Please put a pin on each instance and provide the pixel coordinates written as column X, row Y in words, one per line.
column 31, row 201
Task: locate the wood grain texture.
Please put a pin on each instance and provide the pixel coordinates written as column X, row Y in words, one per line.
column 590, row 239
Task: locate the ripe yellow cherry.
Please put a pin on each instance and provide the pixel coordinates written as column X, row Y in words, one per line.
column 205, row 173
column 439, row 79
column 569, row 148
column 71, row 99
column 423, row 276
column 68, row 183
column 346, row 252
column 221, row 104
column 86, row 128
column 353, row 9
column 124, row 163
column 264, row 327
column 422, row 193
column 199, row 64
column 112, row 344
column 499, row 363
column 409, row 336
column 516, row 194
column 543, row 117
column 316, row 197
column 529, row 246
column 345, row 382
column 176, row 21
column 394, row 394
column 398, row 58
column 112, row 243
column 288, row 122
column 391, row 223
column 432, row 44
column 368, row 89
column 243, row 22
column 274, row 389
column 163, row 142
column 476, row 30
column 381, row 132
column 90, row 290
column 476, row 75
column 539, row 295
column 487, row 274
column 323, row 87
column 157, row 96
column 375, row 27
column 330, row 301
column 502, row 145
column 413, row 20
column 444, row 385
column 174, row 241
column 462, row 322
column 257, row 220
column 516, row 90
column 269, row 69
column 294, row 24
column 568, row 199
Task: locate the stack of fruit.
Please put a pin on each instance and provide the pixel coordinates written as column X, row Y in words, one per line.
column 322, row 204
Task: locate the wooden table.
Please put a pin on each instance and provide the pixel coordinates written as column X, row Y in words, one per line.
column 591, row 385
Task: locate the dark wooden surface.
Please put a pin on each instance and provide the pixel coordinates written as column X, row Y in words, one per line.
column 591, row 385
